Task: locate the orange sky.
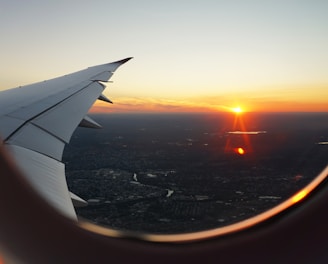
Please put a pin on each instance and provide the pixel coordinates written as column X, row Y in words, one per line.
column 215, row 103
column 204, row 56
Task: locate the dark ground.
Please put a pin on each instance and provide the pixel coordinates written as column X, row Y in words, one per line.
column 180, row 173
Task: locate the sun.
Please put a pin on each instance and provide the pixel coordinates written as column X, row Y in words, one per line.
column 237, row 110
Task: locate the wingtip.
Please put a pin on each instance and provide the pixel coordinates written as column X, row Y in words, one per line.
column 123, row 61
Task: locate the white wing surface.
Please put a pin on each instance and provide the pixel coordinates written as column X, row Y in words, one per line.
column 37, row 120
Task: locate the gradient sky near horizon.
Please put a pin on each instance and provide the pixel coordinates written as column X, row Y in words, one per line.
column 188, row 55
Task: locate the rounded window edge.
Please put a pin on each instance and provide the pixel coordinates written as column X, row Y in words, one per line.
column 215, row 232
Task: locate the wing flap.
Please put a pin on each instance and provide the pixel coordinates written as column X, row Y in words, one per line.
column 47, row 176
column 35, row 138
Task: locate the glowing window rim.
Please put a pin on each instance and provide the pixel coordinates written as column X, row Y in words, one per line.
column 200, row 235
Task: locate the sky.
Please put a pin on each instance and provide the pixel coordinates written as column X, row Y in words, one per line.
column 189, row 56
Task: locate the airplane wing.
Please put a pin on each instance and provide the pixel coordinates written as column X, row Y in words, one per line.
column 37, row 120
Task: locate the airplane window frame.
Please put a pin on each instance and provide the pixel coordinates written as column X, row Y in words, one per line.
column 32, row 230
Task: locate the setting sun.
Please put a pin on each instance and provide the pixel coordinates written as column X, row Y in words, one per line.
column 237, row 110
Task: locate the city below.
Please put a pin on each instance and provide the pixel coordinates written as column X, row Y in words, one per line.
column 177, row 173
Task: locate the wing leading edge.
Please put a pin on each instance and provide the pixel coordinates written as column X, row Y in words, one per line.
column 37, row 120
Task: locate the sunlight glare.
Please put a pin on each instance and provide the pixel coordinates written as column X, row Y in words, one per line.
column 300, row 195
column 237, row 110
column 240, row 151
